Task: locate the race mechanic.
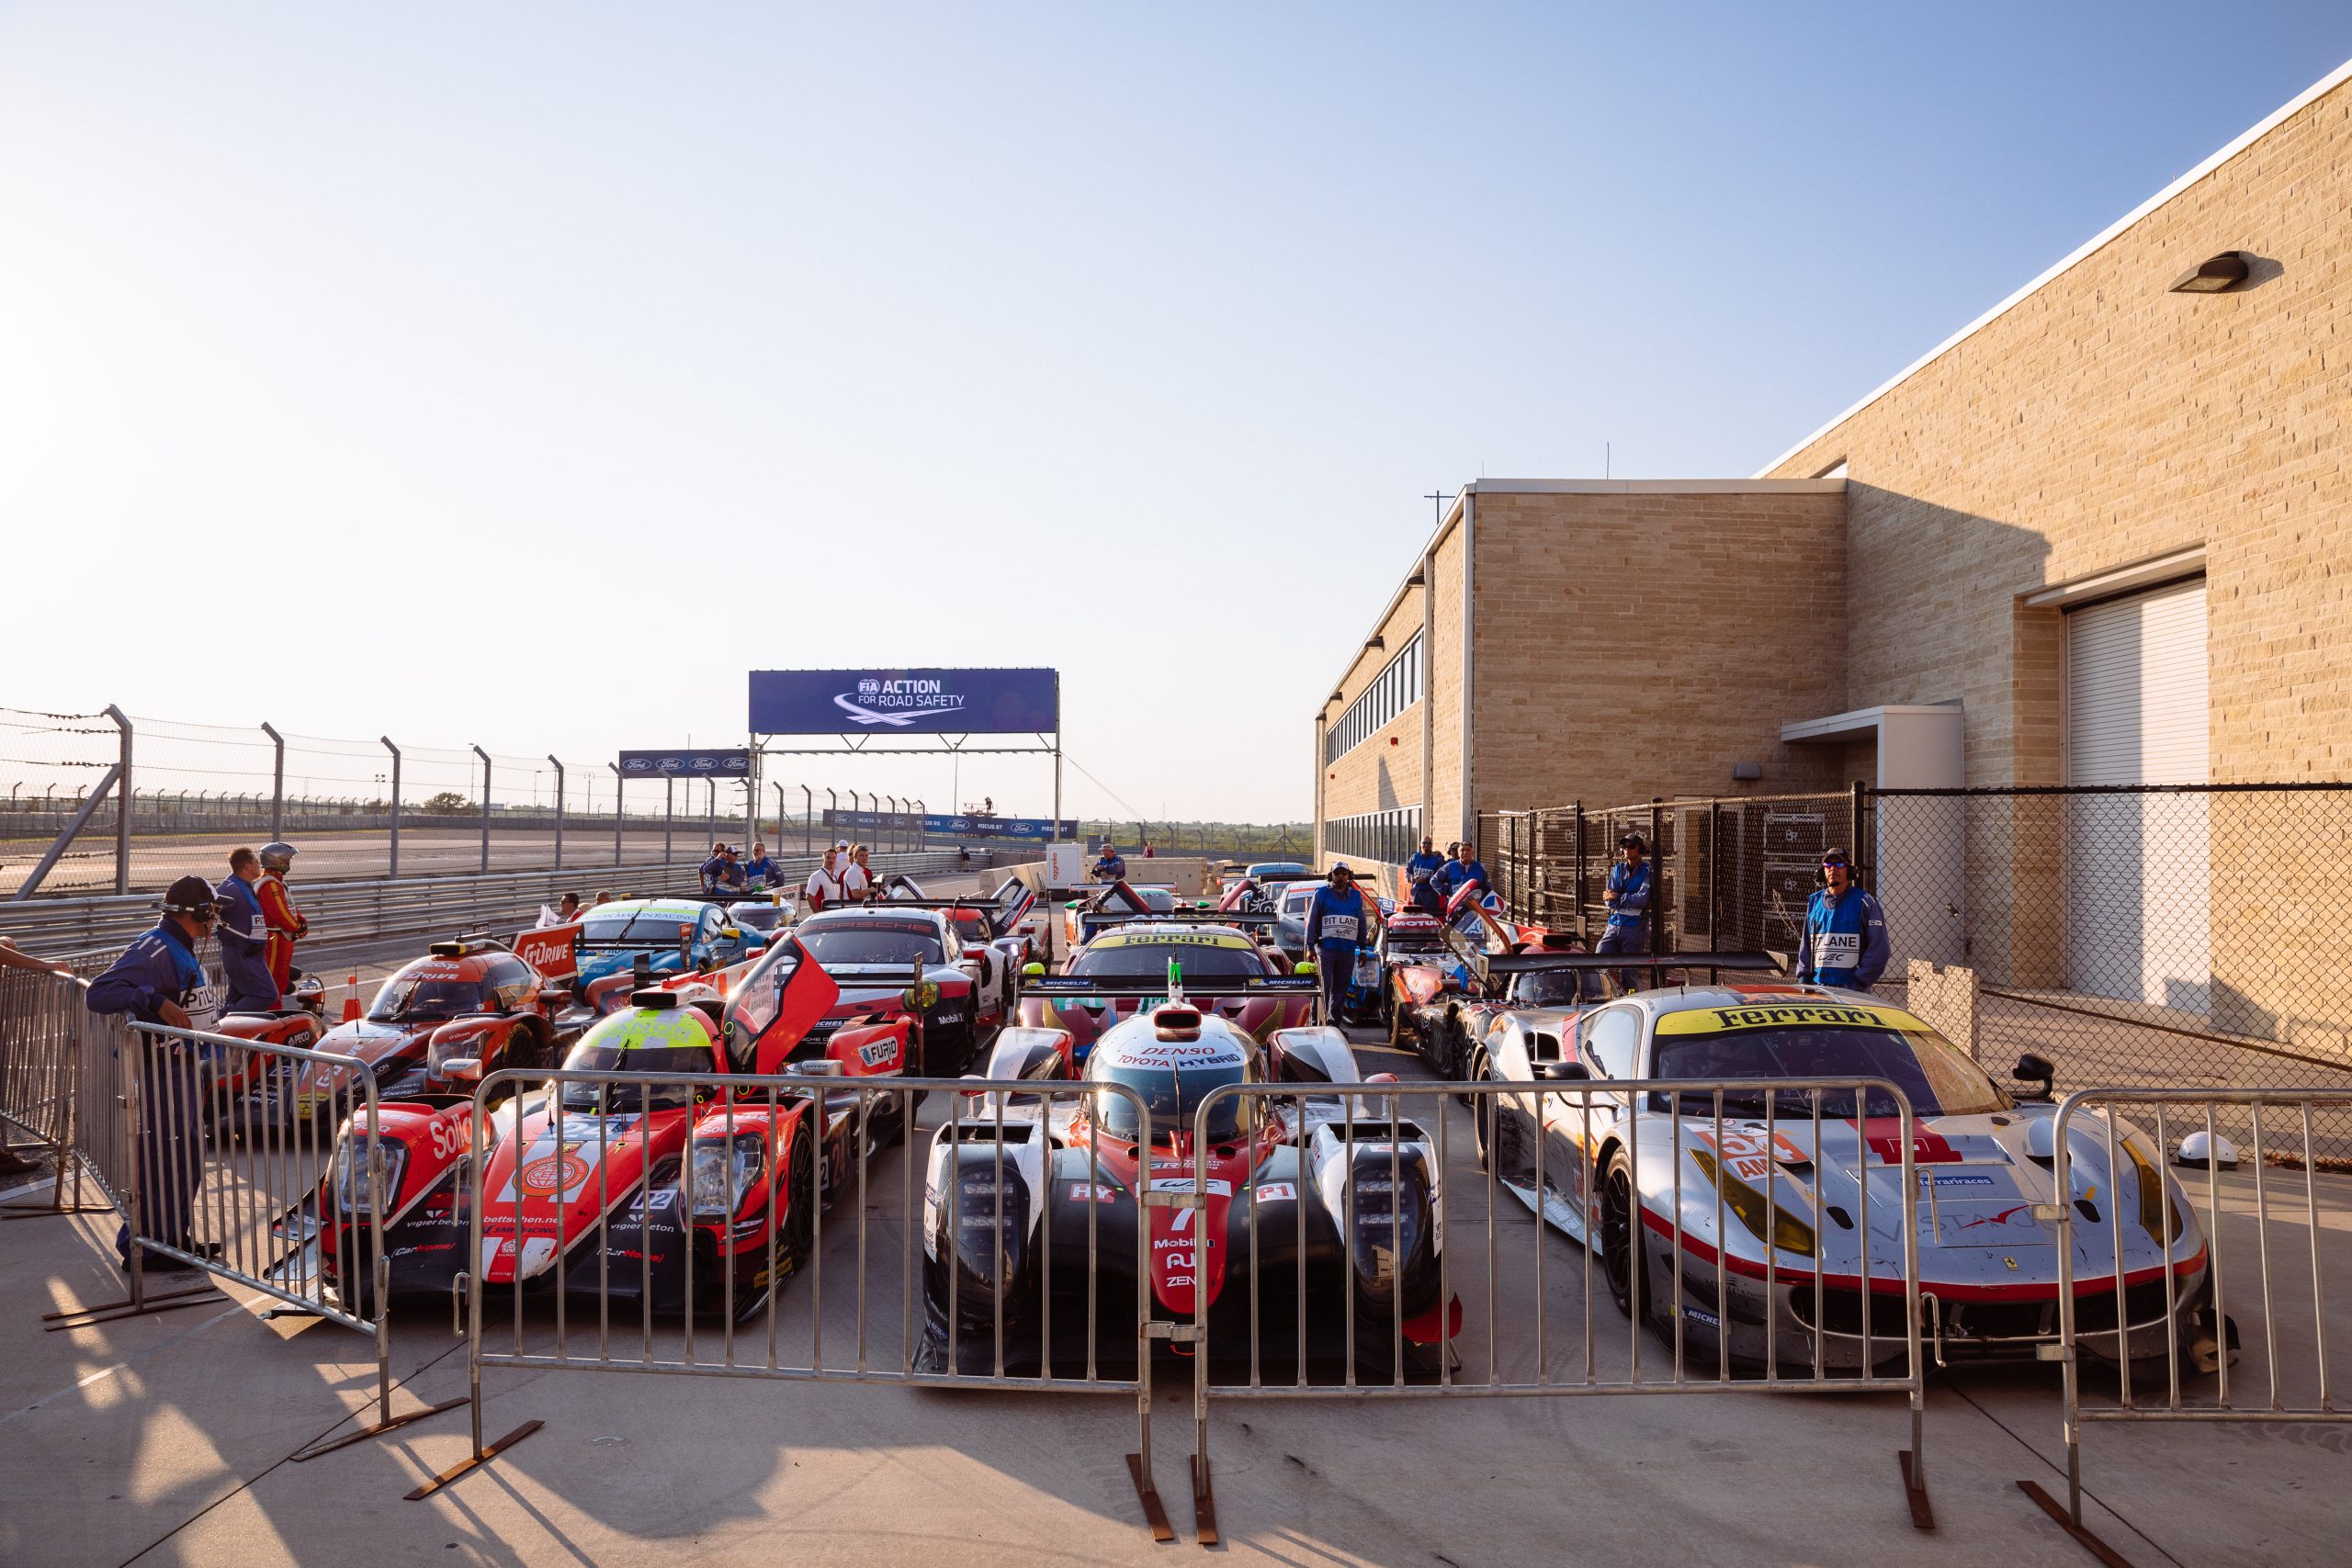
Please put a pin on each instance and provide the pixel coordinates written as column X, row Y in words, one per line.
column 159, row 980
column 720, row 870
column 1425, row 865
column 1628, row 898
column 1112, row 867
column 1844, row 941
column 1338, row 917
column 278, row 912
column 244, row 938
column 1460, row 872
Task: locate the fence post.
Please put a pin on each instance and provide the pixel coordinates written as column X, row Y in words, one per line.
column 276, row 783
column 1863, row 859
column 1716, row 877
column 618, row 780
column 922, row 840
column 808, row 821
column 394, row 870
column 122, row 804
column 1657, row 876
column 558, row 811
column 668, row 817
column 485, row 805
column 1576, row 897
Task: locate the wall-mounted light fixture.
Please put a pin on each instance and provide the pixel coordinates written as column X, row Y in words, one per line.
column 2215, row 274
column 1747, row 773
column 1376, row 640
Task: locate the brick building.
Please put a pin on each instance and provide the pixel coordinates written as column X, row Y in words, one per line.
column 2100, row 534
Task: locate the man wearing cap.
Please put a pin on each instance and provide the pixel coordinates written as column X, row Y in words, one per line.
column 1337, row 918
column 1844, row 941
column 1627, row 896
column 1113, row 865
column 244, row 938
column 720, row 871
column 158, row 980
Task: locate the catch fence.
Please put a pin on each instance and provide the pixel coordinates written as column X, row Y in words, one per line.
column 2191, row 936
column 355, row 808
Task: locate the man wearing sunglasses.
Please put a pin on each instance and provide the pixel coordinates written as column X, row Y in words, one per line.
column 159, row 980
column 1845, row 930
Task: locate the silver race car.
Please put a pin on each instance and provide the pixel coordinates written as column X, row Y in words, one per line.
column 1791, row 1199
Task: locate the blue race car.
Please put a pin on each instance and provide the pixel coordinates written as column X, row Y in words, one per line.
column 673, row 935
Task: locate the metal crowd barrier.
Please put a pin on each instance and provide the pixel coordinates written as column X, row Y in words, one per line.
column 2293, row 1387
column 197, row 1141
column 736, row 1312
column 42, row 1018
column 1523, row 1343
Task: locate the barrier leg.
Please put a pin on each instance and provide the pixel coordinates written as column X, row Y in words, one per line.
column 65, row 1159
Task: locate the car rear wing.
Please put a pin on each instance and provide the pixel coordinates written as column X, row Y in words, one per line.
column 1186, row 918
column 1545, row 961
column 1085, row 987
column 1004, row 909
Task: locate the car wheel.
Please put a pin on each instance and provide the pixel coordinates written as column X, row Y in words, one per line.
column 1623, row 1252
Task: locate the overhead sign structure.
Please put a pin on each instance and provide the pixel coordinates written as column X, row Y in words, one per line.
column 882, row 702
column 732, row 763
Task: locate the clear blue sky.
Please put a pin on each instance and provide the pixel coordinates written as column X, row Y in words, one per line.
column 523, row 374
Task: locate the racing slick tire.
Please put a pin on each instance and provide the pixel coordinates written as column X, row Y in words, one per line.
column 1400, row 1029
column 1624, row 1250
column 796, row 1240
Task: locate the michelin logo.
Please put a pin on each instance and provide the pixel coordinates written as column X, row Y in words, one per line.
column 898, row 703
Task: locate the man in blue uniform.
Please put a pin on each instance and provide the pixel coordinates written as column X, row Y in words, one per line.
column 245, row 939
column 1460, row 872
column 158, row 980
column 1113, row 865
column 1337, row 918
column 1628, row 898
column 762, row 870
column 1845, row 930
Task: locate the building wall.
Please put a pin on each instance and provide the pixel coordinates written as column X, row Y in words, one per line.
column 1639, row 640
column 2102, row 420
column 1378, row 775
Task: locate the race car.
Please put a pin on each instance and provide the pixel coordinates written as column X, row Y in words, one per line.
column 997, row 921
column 1814, row 1196
column 1109, row 905
column 234, row 1075
column 1358, row 1185
column 760, row 914
column 879, row 951
column 680, row 1197
column 1126, row 969
column 670, row 936
column 469, row 997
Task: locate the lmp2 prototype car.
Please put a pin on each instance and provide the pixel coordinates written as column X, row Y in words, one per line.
column 1819, row 1198
column 1126, row 969
column 683, row 1197
column 631, row 941
column 1311, row 1198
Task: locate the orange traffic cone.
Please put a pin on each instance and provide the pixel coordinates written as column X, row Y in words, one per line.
column 351, row 1000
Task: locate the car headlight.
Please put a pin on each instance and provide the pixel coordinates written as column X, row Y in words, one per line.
column 1785, row 1231
column 724, row 1173
column 352, row 1185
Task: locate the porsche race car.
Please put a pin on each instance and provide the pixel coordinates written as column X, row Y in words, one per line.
column 879, row 953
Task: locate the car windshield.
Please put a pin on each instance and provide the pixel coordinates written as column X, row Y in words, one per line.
column 871, row 941
column 649, row 927
column 1148, row 961
column 1171, row 1095
column 1938, row 1079
column 1279, row 868
column 620, row 1062
column 406, row 999
column 756, row 917
column 1552, row 988
column 971, row 927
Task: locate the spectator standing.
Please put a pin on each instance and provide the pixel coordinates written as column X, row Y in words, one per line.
column 286, row 923
column 244, row 938
column 1627, row 896
column 1427, row 862
column 1147, row 848
column 858, row 877
column 824, row 887
column 1337, row 918
column 761, row 868
column 158, row 980
column 1113, row 865
column 563, row 914
column 1845, row 930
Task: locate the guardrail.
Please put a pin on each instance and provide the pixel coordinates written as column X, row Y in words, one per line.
column 358, row 911
column 2142, row 1318
column 1377, row 1309
column 696, row 1198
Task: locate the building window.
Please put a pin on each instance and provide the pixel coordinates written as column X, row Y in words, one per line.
column 1388, row 836
column 1397, row 688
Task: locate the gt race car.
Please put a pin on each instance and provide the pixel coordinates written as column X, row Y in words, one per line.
column 1126, row 969
column 1792, row 1210
column 997, row 921
column 685, row 1197
column 879, row 953
column 1109, row 905
column 1313, row 1203
column 631, row 941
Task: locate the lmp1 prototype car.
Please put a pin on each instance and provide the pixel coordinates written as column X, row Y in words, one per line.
column 682, row 1196
column 1815, row 1196
column 1063, row 1184
column 1126, row 969
column 671, row 936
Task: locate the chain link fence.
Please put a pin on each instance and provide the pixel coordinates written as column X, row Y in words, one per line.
column 2189, row 936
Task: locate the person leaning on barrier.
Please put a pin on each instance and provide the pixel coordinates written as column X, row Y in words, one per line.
column 1113, row 865
column 159, row 980
column 1627, row 895
column 12, row 957
column 245, row 939
column 284, row 921
column 1844, row 941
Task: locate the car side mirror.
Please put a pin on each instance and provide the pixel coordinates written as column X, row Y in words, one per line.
column 731, row 933
column 1562, row 1072
column 2037, row 1071
column 462, row 1069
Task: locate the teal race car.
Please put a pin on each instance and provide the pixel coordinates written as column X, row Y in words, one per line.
column 670, row 935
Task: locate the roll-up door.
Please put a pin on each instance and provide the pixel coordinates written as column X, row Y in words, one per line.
column 2137, row 878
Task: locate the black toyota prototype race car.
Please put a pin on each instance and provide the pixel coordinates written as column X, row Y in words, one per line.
column 1320, row 1208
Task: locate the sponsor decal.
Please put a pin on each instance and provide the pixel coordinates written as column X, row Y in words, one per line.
column 1700, row 1315
column 1744, row 1155
column 1091, row 1192
column 1788, row 1015
column 1219, row 1188
column 1276, row 1192
column 549, row 952
column 877, row 1053
column 1884, row 1135
column 1961, row 1178
column 452, row 1134
column 550, row 1175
